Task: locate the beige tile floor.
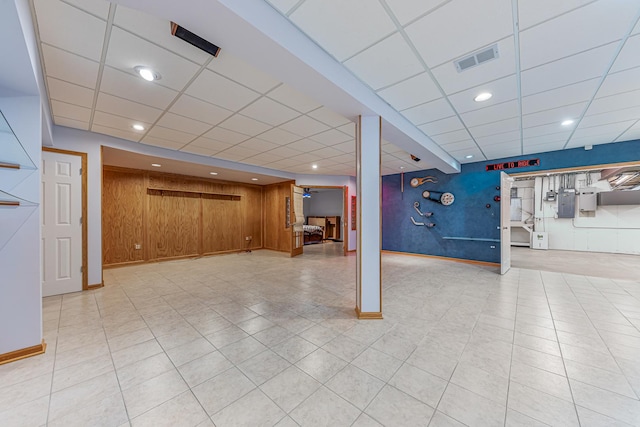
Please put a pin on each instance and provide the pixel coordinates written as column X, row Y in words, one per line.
column 261, row 339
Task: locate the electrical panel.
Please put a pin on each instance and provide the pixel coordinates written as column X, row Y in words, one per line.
column 566, row 203
column 587, row 200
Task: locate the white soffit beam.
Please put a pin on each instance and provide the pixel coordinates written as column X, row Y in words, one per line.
column 255, row 32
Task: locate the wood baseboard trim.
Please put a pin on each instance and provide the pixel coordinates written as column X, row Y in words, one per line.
column 15, row 355
column 96, row 286
column 444, row 258
column 368, row 315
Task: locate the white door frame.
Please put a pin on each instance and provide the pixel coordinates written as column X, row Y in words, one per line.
column 83, row 180
column 505, row 222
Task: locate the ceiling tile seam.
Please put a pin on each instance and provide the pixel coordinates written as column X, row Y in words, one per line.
column 573, row 54
column 516, row 46
column 634, row 22
column 67, row 51
column 46, row 76
column 419, row 17
column 178, row 95
column 428, row 71
column 41, row 55
column 70, row 118
column 293, row 8
column 385, row 37
column 614, row 111
column 558, row 15
column 626, row 130
column 82, row 10
column 607, row 123
column 561, row 87
column 103, row 57
column 129, row 72
column 399, row 82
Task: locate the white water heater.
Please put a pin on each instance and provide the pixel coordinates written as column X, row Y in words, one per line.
column 539, row 240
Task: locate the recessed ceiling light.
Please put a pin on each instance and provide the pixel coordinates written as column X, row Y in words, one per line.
column 567, row 122
column 254, row 179
column 156, row 165
column 314, row 166
column 401, row 167
column 138, row 127
column 147, row 73
column 468, row 156
column 213, row 173
column 484, row 96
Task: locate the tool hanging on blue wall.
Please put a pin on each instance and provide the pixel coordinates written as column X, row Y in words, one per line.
column 444, row 199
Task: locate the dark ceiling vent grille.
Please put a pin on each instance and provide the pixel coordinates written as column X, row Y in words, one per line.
column 193, row 39
column 477, row 58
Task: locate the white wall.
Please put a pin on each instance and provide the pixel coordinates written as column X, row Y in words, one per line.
column 20, row 281
column 613, row 229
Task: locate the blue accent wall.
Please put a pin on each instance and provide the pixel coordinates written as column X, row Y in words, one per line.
column 468, row 217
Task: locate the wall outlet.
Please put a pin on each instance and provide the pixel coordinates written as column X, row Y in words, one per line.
column 137, row 246
column 492, row 247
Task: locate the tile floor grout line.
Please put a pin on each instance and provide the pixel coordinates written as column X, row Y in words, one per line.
column 55, row 355
column 513, row 345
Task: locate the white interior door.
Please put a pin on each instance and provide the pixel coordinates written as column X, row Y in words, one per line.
column 61, row 223
column 505, row 222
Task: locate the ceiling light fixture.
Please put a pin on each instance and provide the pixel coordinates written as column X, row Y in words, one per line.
column 156, row 165
column 468, row 156
column 138, row 127
column 314, row 166
column 254, row 179
column 147, row 73
column 213, row 173
column 484, row 96
column 567, row 122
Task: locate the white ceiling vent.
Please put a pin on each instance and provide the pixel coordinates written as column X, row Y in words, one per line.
column 477, row 58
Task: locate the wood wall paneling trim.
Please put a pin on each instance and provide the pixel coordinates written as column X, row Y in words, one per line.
column 23, row 353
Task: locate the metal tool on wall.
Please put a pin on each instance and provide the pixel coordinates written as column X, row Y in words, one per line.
column 444, row 199
column 416, row 182
column 416, row 206
column 428, row 224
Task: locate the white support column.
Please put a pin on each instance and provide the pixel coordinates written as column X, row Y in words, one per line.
column 369, row 231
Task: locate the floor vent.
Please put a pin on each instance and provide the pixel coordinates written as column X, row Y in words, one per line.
column 477, row 58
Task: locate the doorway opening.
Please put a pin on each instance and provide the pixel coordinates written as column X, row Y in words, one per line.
column 325, row 213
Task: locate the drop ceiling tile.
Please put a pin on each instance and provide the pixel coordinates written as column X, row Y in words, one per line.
column 610, row 130
column 327, row 152
column 123, row 107
column 461, row 155
column 452, row 42
column 495, row 128
column 441, row 126
column 584, row 28
column 449, row 137
column 171, row 135
column 465, row 144
column 210, row 144
column 623, row 81
column 346, row 147
column 567, row 95
column 279, row 136
column 411, row 92
column 305, row 145
column 429, row 112
column 258, row 144
column 532, row 12
column 202, row 151
column 158, row 31
column 628, row 57
column 70, row 93
column 552, row 138
column 218, row 90
column 118, row 133
column 452, row 81
column 241, row 124
column 284, row 6
column 490, row 114
column 408, row 10
column 128, row 86
column 349, row 129
column 397, row 63
column 118, row 122
column 328, row 117
column 290, row 97
column 304, row 158
column 159, row 142
column 240, row 152
column 224, row 135
column 71, row 29
column 241, row 72
column 283, row 164
column 343, row 28
column 70, row 123
column 390, row 148
column 69, row 67
column 500, row 138
column 611, row 117
column 631, row 134
column 554, row 115
column 194, row 108
column 343, row 158
column 573, row 69
column 100, row 8
column 269, row 111
column 232, row 157
column 70, row 111
column 550, row 129
column 183, row 124
column 614, row 102
column 284, row 152
column 261, row 159
column 504, row 89
column 592, row 140
column 127, row 51
column 499, row 151
column 304, row 126
column 543, row 148
column 331, row 137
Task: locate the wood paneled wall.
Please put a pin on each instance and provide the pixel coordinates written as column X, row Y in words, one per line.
column 173, row 216
column 276, row 235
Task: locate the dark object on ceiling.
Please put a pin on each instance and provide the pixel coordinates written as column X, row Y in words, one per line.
column 193, row 39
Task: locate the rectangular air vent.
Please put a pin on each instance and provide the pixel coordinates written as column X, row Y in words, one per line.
column 477, row 58
column 194, row 39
